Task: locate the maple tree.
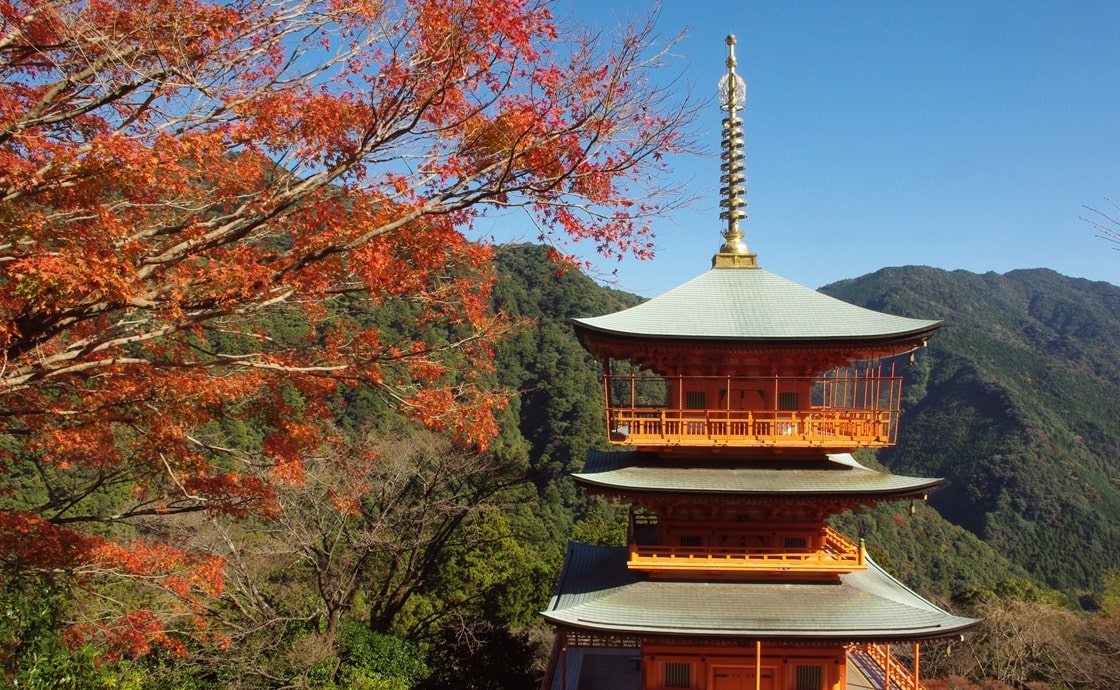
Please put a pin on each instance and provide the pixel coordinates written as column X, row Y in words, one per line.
column 202, row 202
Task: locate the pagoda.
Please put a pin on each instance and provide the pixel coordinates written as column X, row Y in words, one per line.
column 735, row 401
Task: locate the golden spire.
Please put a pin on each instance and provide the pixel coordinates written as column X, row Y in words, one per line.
column 732, row 97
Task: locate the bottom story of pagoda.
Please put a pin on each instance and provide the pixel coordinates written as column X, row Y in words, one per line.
column 617, row 630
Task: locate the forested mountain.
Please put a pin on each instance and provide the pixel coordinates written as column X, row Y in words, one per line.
column 561, row 397
column 561, row 416
column 1015, row 404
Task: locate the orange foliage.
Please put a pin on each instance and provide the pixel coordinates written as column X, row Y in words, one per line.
column 198, row 202
column 134, row 634
column 28, row 540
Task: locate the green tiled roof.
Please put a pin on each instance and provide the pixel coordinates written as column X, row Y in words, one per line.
column 596, row 592
column 753, row 304
column 837, row 474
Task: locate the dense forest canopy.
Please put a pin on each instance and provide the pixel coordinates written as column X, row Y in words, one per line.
column 1014, row 404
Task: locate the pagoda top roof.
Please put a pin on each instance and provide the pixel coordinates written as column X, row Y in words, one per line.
column 837, row 474
column 597, row 592
column 751, row 304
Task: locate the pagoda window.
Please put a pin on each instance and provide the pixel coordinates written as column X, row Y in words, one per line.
column 691, row 540
column 796, row 543
column 678, row 674
column 695, row 400
column 788, row 401
column 808, row 677
column 644, row 527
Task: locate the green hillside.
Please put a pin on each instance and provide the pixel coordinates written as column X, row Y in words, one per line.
column 1015, row 404
column 561, row 417
column 561, row 402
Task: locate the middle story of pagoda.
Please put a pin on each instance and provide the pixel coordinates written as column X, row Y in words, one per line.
column 735, row 402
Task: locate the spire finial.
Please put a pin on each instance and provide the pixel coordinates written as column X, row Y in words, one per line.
column 732, row 97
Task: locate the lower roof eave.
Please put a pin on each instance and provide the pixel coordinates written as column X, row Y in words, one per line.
column 827, row 475
column 648, row 494
column 598, row 594
column 780, row 636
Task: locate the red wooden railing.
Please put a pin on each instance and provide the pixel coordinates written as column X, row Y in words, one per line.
column 841, row 409
column 837, row 555
column 829, row 428
column 883, row 670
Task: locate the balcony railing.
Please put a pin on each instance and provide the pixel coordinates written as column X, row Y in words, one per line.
column 838, row 555
column 879, row 665
column 841, row 410
column 831, row 428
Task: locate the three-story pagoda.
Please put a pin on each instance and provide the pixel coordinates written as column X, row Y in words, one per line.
column 737, row 399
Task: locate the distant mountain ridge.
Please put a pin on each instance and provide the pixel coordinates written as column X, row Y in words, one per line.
column 1016, row 404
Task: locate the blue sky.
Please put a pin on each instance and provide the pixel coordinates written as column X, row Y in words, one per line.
column 960, row 135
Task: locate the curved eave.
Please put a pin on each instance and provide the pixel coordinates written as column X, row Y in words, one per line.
column 597, row 340
column 596, row 593
column 837, row 475
column 753, row 306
